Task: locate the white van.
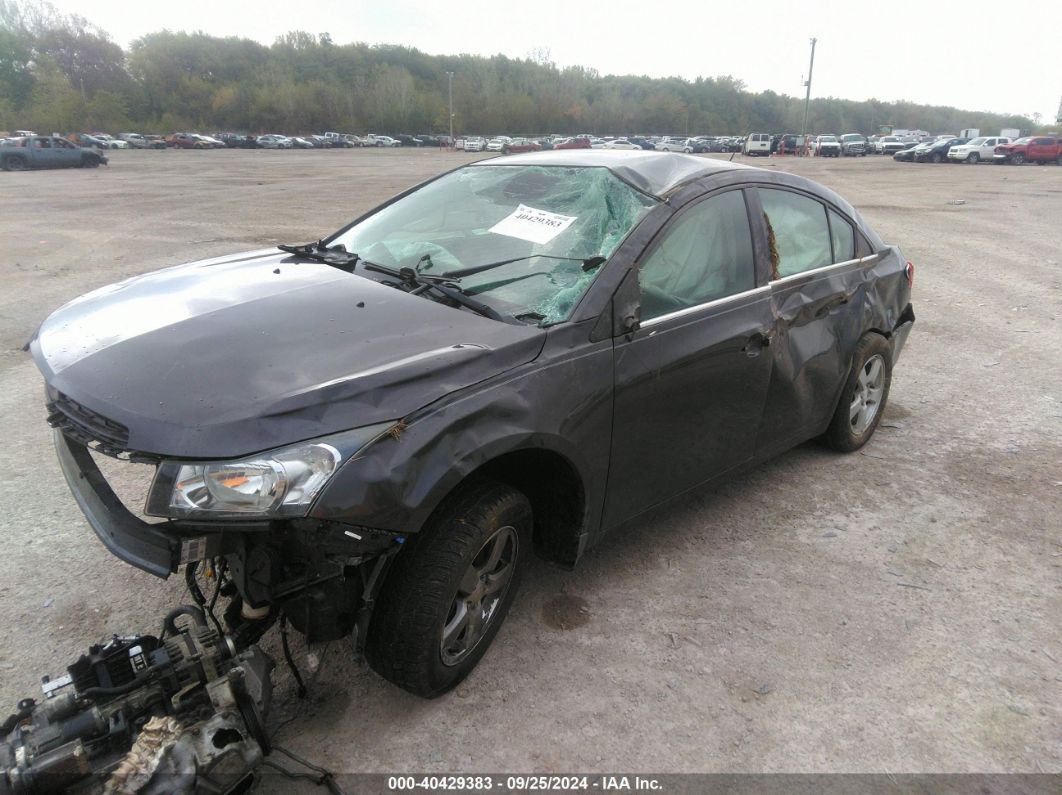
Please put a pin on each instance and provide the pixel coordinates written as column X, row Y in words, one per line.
column 757, row 144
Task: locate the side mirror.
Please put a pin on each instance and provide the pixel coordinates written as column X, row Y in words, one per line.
column 627, row 305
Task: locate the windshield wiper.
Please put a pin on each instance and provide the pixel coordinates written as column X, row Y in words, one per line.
column 336, row 256
column 419, row 283
column 589, row 263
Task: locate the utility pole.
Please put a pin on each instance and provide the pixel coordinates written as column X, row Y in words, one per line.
column 450, row 77
column 807, row 97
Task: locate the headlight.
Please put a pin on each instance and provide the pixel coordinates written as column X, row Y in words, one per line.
column 282, row 482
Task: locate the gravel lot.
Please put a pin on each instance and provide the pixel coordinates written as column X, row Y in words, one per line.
column 893, row 610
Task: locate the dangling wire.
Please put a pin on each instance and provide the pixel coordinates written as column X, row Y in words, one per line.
column 287, row 656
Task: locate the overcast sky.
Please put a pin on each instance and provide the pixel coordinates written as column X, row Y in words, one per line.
column 972, row 55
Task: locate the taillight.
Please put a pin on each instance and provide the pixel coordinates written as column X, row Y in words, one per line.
column 908, row 271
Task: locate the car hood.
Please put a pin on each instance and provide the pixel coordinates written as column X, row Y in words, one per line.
column 234, row 355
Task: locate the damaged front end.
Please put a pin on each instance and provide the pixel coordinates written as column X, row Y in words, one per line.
column 320, row 575
column 183, row 712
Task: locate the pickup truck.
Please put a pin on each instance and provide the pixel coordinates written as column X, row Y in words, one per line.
column 47, row 151
column 1039, row 149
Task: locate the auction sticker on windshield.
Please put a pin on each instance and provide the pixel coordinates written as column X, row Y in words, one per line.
column 536, row 226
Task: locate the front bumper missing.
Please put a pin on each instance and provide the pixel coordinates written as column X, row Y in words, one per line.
column 133, row 540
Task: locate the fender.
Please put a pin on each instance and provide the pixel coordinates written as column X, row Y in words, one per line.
column 561, row 403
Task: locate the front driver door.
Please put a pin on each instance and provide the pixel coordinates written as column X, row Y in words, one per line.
column 691, row 381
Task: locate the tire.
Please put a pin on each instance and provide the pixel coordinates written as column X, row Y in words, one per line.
column 973, row 158
column 935, row 157
column 90, row 162
column 865, row 394
column 1059, row 161
column 15, row 163
column 435, row 580
column 1017, row 158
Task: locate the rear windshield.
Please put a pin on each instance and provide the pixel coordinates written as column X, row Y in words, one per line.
column 486, row 214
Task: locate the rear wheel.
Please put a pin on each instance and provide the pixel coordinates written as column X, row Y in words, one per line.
column 864, row 396
column 15, row 163
column 449, row 592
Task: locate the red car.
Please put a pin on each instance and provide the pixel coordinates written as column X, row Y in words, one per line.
column 186, row 141
column 573, row 143
column 520, row 145
column 1042, row 149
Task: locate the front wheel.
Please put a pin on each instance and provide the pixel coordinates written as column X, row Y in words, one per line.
column 449, row 592
column 1017, row 158
column 864, row 395
column 935, row 158
column 973, row 157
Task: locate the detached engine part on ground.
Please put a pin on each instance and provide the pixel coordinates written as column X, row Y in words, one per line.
column 183, row 713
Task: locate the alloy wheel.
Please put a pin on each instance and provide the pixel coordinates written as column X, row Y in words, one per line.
column 479, row 594
column 866, row 399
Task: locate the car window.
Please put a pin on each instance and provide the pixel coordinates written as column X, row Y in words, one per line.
column 842, row 236
column 799, row 235
column 704, row 254
column 537, row 223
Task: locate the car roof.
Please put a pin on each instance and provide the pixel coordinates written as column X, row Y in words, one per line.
column 655, row 173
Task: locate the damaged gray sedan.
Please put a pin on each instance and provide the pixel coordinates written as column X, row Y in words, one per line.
column 371, row 434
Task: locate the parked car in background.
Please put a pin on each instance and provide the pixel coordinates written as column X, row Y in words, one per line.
column 475, row 144
column 520, row 145
column 938, row 150
column 236, row 141
column 186, row 141
column 298, row 142
column 757, row 145
column 642, row 142
column 110, row 142
column 410, row 456
column 889, row 145
column 673, row 145
column 907, row 154
column 274, row 141
column 138, row 141
column 47, row 151
column 381, row 140
column 496, row 144
column 853, row 145
column 622, row 143
column 86, row 140
column 827, row 146
column 1033, row 149
column 572, row 143
column 981, row 148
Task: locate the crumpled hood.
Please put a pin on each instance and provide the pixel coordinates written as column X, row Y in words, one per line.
column 238, row 354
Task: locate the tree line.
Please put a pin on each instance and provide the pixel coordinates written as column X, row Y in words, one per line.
column 62, row 73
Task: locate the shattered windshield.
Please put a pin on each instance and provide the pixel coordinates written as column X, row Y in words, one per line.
column 552, row 220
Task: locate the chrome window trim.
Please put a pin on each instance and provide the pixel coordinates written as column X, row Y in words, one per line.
column 824, row 269
column 715, row 302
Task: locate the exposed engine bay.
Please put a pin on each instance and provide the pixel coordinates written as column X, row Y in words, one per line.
column 182, row 712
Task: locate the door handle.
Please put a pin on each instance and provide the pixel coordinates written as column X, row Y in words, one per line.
column 757, row 342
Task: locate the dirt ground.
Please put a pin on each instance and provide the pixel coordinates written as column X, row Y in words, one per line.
column 895, row 610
